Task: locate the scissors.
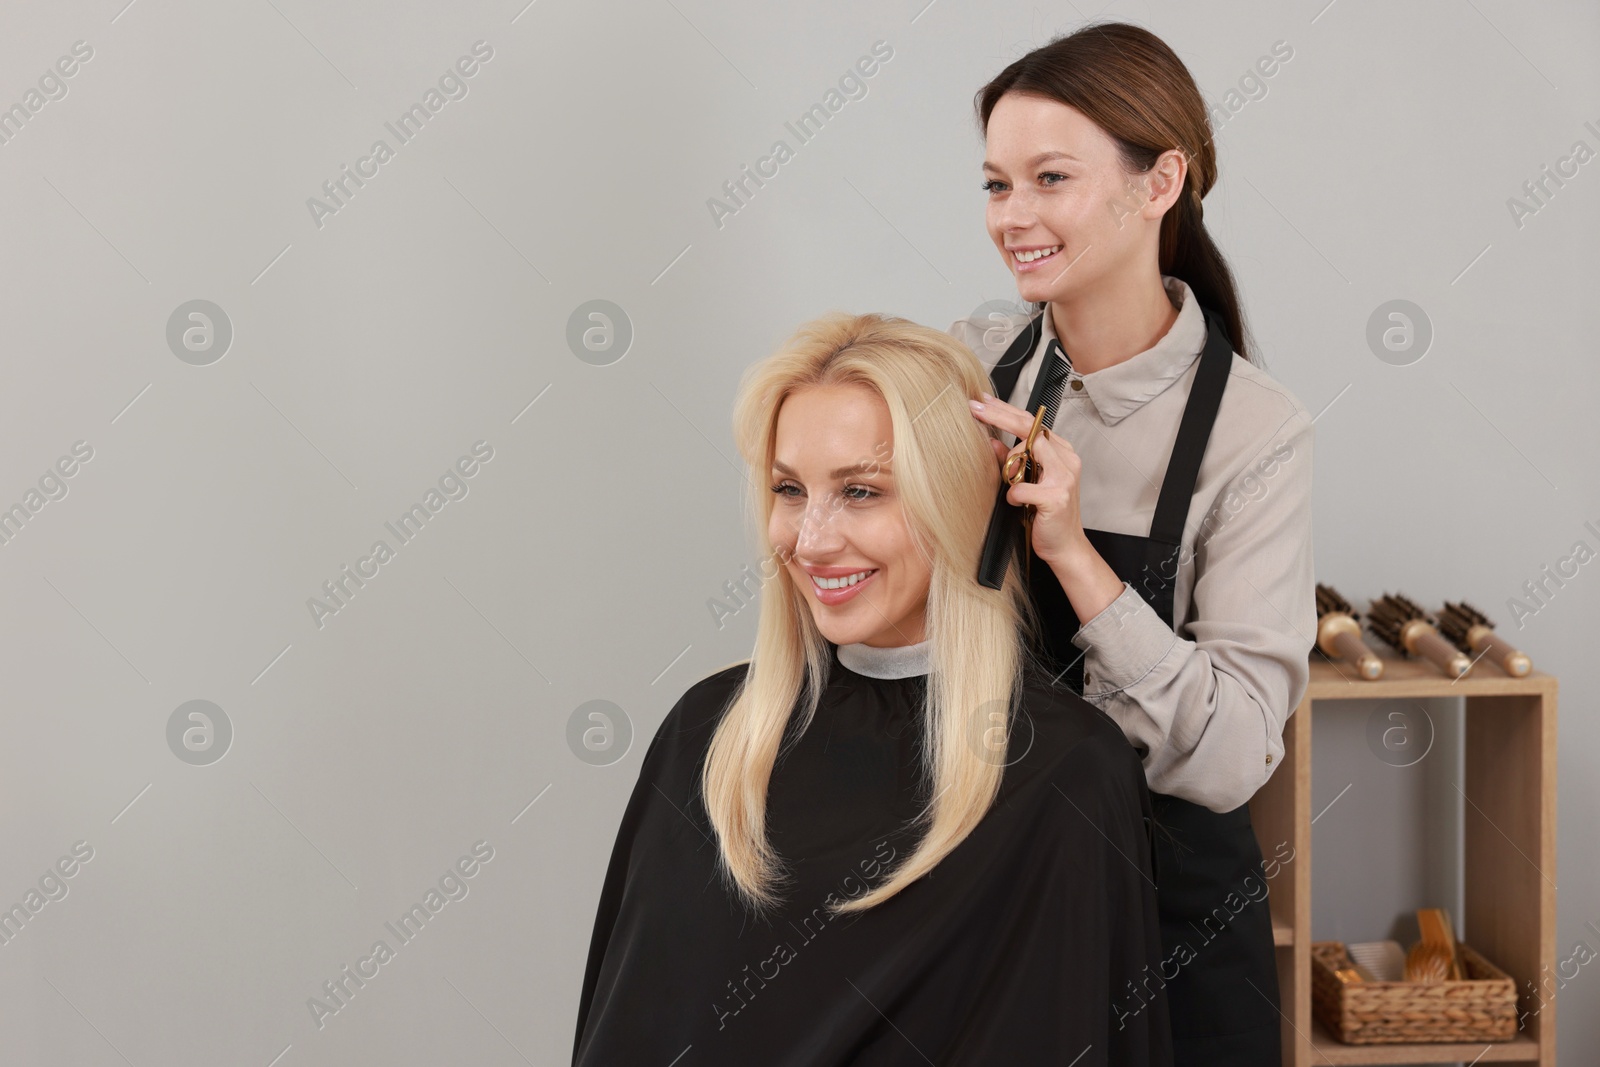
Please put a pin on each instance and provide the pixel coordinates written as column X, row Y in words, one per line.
column 1022, row 467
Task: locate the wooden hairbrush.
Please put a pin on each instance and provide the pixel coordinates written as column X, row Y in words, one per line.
column 1428, row 962
column 1434, row 958
column 1473, row 634
column 1339, row 634
column 1408, row 628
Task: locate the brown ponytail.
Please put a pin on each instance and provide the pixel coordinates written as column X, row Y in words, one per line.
column 1128, row 82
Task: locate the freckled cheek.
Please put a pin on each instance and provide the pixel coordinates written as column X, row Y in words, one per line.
column 992, row 219
column 1071, row 219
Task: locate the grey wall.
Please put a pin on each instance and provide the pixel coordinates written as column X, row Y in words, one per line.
column 364, row 754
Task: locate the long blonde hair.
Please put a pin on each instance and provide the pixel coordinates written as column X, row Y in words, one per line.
column 946, row 478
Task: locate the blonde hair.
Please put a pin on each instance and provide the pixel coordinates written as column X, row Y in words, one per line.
column 946, row 477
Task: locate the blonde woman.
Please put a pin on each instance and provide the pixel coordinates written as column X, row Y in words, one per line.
column 886, row 838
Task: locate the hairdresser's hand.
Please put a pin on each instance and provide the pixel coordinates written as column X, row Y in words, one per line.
column 1058, row 535
column 1058, row 538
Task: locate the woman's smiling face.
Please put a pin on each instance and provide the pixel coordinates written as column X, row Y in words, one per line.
column 838, row 520
column 1063, row 209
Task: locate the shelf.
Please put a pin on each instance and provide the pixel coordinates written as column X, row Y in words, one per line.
column 1519, row 1049
column 1403, row 677
column 1508, row 782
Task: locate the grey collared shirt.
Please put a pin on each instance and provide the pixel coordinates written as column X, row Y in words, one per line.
column 1205, row 703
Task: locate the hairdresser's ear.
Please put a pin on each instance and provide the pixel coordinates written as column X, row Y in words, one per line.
column 1166, row 180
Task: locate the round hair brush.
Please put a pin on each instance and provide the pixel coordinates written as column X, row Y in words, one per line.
column 1407, row 627
column 1339, row 634
column 1473, row 633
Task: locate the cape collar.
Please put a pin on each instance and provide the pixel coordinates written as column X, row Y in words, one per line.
column 902, row 661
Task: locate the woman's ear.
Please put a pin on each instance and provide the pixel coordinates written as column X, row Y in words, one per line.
column 1165, row 182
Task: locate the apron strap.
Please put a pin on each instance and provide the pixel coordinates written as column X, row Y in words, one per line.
column 1183, row 468
column 1004, row 374
column 1194, row 431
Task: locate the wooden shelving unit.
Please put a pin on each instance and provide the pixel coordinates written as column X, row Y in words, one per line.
column 1509, row 857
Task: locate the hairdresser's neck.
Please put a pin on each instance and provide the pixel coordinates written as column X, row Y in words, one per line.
column 1115, row 320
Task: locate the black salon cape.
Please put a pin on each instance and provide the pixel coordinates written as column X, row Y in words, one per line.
column 1035, row 942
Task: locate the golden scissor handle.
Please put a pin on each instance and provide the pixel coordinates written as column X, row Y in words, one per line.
column 1021, row 466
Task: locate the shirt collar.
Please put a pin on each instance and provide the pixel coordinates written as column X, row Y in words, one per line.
column 902, row 661
column 1121, row 389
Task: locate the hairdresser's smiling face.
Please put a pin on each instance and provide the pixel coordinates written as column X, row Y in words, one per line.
column 1057, row 185
column 837, row 515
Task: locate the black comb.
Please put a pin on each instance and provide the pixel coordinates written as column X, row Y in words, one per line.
column 1057, row 366
column 1005, row 521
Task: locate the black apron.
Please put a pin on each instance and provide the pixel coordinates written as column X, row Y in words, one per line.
column 1209, row 883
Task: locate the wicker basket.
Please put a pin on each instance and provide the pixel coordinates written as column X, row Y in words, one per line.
column 1482, row 1007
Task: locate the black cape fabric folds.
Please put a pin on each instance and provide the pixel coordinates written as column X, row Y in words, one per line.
column 1036, row 941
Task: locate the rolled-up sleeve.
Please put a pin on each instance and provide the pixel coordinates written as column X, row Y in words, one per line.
column 1209, row 706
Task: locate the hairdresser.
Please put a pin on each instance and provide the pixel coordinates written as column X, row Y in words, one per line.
column 1170, row 546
